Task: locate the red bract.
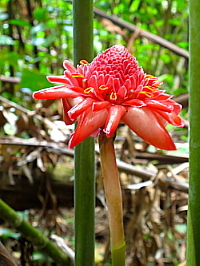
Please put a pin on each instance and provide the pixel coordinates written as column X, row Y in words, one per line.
column 112, row 89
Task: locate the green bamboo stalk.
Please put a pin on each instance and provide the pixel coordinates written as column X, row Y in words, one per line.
column 84, row 189
column 193, row 234
column 33, row 235
column 82, row 30
column 113, row 195
column 84, row 186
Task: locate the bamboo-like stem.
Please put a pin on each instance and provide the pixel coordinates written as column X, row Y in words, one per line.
column 84, row 194
column 33, row 235
column 82, row 30
column 84, row 186
column 113, row 195
column 193, row 234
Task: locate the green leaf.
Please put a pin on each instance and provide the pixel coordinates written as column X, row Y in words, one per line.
column 135, row 5
column 183, row 44
column 19, row 22
column 6, row 233
column 165, row 58
column 174, row 21
column 33, row 79
column 40, row 14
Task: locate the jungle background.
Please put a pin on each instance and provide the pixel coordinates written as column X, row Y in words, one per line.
column 36, row 173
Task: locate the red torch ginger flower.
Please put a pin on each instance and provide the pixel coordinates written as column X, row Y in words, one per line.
column 110, row 90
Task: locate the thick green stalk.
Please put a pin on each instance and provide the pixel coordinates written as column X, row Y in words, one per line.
column 33, row 235
column 113, row 195
column 83, row 30
column 84, row 192
column 84, row 152
column 193, row 234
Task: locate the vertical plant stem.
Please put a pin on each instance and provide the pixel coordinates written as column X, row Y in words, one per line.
column 83, row 30
column 193, row 234
column 113, row 194
column 84, row 152
column 84, row 189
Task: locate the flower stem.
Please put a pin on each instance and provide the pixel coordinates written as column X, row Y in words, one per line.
column 193, row 233
column 113, row 195
column 84, row 186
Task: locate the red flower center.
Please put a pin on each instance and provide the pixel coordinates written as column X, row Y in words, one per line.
column 114, row 76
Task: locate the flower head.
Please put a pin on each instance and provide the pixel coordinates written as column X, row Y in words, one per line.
column 110, row 90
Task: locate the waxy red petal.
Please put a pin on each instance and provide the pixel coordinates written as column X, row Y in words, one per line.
column 161, row 96
column 55, row 93
column 121, row 94
column 176, row 106
column 88, row 123
column 59, row 79
column 110, row 83
column 97, row 106
column 78, row 109
column 66, row 108
column 114, row 116
column 147, row 126
column 134, row 103
column 67, row 65
column 92, row 82
column 159, row 106
column 73, row 81
column 172, row 118
column 138, row 90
